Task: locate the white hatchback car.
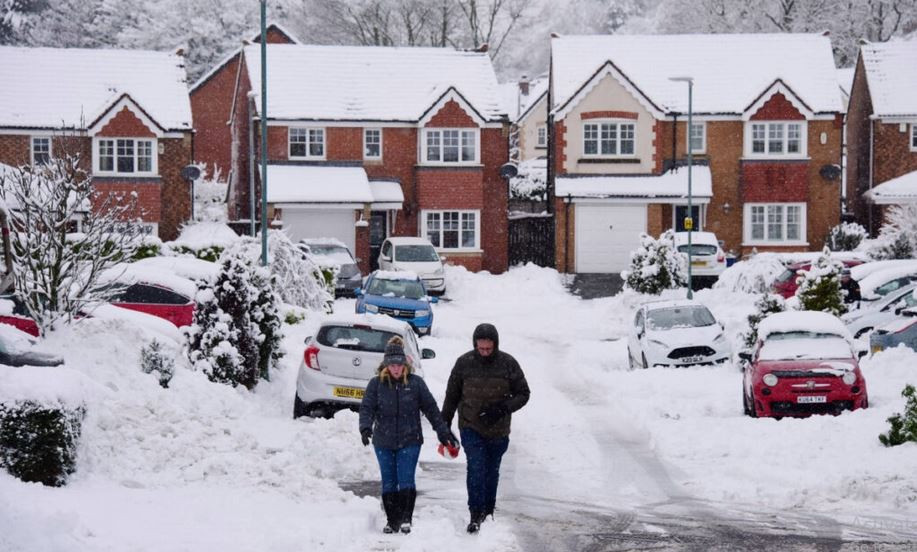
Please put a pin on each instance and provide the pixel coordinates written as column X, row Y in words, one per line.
column 341, row 358
column 416, row 255
column 707, row 257
column 676, row 333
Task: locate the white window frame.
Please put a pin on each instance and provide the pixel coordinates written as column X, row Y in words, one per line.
column 913, row 136
column 96, row 156
column 747, row 238
column 703, row 136
column 32, row 147
column 541, row 136
column 618, row 123
column 366, row 156
column 462, row 212
column 768, row 127
column 308, row 130
column 461, row 130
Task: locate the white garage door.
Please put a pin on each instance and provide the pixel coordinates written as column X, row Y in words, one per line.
column 320, row 223
column 606, row 234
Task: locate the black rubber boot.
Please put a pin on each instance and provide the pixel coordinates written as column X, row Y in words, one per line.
column 475, row 524
column 392, row 505
column 408, row 498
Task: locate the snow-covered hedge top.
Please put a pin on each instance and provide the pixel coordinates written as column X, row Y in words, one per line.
column 51, row 385
column 134, row 274
column 861, row 271
column 869, row 284
column 186, row 267
column 396, row 275
column 377, row 321
column 755, row 275
column 803, row 321
column 202, row 235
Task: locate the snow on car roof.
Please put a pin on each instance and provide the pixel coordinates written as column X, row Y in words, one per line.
column 133, row 274
column 803, row 321
column 323, row 241
column 670, row 303
column 898, row 324
column 395, row 275
column 869, row 284
column 377, row 321
column 408, row 240
column 704, row 238
column 860, row 272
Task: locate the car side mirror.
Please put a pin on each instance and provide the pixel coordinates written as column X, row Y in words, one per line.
column 307, row 339
column 358, row 292
column 427, row 354
column 434, row 299
column 385, row 258
column 745, row 355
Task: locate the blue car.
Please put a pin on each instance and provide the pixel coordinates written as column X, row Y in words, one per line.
column 400, row 295
column 900, row 331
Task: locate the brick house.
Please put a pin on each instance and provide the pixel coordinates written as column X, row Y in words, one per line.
column 882, row 131
column 766, row 139
column 125, row 112
column 367, row 142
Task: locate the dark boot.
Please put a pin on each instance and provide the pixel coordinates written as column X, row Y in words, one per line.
column 488, row 511
column 475, row 524
column 392, row 505
column 408, row 497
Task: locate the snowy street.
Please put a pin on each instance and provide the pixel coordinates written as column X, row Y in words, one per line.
column 602, row 458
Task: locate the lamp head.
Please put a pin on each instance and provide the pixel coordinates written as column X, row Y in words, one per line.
column 689, row 80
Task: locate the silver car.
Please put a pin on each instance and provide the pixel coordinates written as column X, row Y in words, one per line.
column 880, row 312
column 341, row 358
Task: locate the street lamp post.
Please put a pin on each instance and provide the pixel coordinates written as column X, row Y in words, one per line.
column 263, row 124
column 689, row 220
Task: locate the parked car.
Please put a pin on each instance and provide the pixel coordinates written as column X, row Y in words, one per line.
column 675, row 333
column 708, row 260
column 332, row 253
column 341, row 358
column 401, row 295
column 880, row 312
column 882, row 282
column 900, row 331
column 786, row 284
column 804, row 363
column 17, row 349
column 418, row 256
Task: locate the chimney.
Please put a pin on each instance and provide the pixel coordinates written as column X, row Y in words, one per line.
column 524, row 85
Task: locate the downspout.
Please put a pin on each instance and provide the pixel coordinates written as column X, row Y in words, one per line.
column 674, row 139
column 251, row 163
column 567, row 233
column 872, row 161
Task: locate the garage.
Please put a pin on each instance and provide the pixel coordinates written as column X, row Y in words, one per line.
column 301, row 223
column 606, row 234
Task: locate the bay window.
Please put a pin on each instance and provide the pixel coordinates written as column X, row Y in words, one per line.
column 775, row 223
column 608, row 139
column 125, row 156
column 449, row 145
column 452, row 229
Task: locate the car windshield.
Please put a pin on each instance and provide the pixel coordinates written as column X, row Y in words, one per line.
column 354, row 338
column 410, row 289
column 335, row 253
column 698, row 249
column 679, row 317
column 804, row 345
column 416, row 254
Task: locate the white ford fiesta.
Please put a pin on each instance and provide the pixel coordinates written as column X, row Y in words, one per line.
column 675, row 333
column 341, row 358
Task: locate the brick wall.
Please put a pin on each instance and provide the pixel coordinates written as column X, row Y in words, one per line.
column 859, row 110
column 893, row 155
column 564, row 243
column 118, row 192
column 176, row 192
column 560, row 146
column 775, row 182
column 494, row 222
column 15, row 150
column 451, row 114
column 777, row 108
column 126, row 124
column 450, row 188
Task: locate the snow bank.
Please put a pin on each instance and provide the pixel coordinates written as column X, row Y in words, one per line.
column 202, row 235
column 186, row 267
column 52, row 385
column 755, row 275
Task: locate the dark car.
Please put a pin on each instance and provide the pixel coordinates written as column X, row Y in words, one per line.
column 330, row 253
column 16, row 350
column 786, row 284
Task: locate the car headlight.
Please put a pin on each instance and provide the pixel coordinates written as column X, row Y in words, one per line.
column 371, row 308
column 849, row 378
column 421, row 313
column 770, row 380
column 658, row 343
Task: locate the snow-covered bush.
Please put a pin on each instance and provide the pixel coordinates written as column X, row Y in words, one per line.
column 38, row 442
column 204, row 240
column 210, row 198
column 756, row 274
column 898, row 236
column 765, row 306
column 153, row 358
column 148, row 246
column 846, row 236
column 903, row 426
column 531, row 182
column 820, row 287
column 655, row 265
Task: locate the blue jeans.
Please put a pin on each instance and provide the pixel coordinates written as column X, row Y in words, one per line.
column 397, row 467
column 484, row 456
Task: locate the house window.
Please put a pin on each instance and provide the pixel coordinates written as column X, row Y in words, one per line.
column 450, row 146
column 601, row 139
column 307, row 143
column 775, row 223
column 125, row 156
column 372, row 143
column 776, row 139
column 914, row 136
column 41, row 150
column 542, row 132
column 452, row 229
column 698, row 137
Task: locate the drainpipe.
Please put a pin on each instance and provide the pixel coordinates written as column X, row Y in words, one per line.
column 567, row 234
column 674, row 139
column 872, row 161
column 251, row 163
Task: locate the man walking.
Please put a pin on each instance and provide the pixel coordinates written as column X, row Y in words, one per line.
column 486, row 385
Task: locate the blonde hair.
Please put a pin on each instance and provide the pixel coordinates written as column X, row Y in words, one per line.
column 385, row 375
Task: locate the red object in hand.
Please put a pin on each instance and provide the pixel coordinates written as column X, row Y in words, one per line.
column 448, row 451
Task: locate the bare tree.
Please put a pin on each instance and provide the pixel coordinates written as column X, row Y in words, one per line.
column 491, row 22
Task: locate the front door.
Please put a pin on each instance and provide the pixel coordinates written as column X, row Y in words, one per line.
column 378, row 231
column 681, row 211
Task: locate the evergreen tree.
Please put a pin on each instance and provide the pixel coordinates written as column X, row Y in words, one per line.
column 898, row 235
column 766, row 305
column 846, row 236
column 903, row 426
column 154, row 359
column 656, row 265
column 820, row 287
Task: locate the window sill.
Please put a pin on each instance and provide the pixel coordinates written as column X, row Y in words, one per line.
column 126, row 175
column 448, row 252
column 776, row 244
column 774, row 158
column 610, row 160
column 450, row 166
column 307, row 158
column 541, row 147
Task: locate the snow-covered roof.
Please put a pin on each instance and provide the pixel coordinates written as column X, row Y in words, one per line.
column 891, row 77
column 730, row 71
column 515, row 103
column 672, row 185
column 370, row 83
column 845, row 79
column 902, row 189
column 201, row 235
column 803, row 321
column 317, row 184
column 70, row 87
column 386, row 191
column 879, row 278
column 377, row 321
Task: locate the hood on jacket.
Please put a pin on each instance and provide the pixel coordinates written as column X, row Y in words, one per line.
column 486, row 331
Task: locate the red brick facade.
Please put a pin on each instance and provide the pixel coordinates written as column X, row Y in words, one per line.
column 769, row 181
column 609, row 115
column 125, row 123
column 778, row 108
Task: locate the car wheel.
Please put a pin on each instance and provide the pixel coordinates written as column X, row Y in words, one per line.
column 300, row 408
column 749, row 406
column 630, row 360
column 861, row 333
column 645, row 363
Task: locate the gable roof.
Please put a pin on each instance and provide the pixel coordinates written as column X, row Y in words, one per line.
column 70, row 87
column 891, row 72
column 730, row 71
column 370, row 83
column 516, row 104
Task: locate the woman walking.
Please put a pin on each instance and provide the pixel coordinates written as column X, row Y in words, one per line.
column 390, row 417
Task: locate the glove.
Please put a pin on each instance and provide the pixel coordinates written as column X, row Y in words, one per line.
column 366, row 435
column 492, row 413
column 448, row 438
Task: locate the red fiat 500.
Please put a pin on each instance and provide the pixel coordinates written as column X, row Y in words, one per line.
column 804, row 363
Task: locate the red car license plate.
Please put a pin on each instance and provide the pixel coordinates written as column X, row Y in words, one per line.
column 811, row 399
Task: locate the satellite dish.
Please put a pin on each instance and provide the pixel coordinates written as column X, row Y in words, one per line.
column 509, row 170
column 191, row 172
column 830, row 172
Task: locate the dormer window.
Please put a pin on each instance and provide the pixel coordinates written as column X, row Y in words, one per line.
column 776, row 139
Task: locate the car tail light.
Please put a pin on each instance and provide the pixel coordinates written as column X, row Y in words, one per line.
column 720, row 257
column 311, row 357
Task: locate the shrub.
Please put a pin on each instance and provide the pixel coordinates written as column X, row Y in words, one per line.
column 766, row 305
column 820, row 287
column 846, row 236
column 154, row 359
column 656, row 265
column 898, row 236
column 903, row 426
column 38, row 442
column 211, row 253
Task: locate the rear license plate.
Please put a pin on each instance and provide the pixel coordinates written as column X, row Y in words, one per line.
column 812, row 399
column 698, row 263
column 876, row 348
column 690, row 359
column 348, row 392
